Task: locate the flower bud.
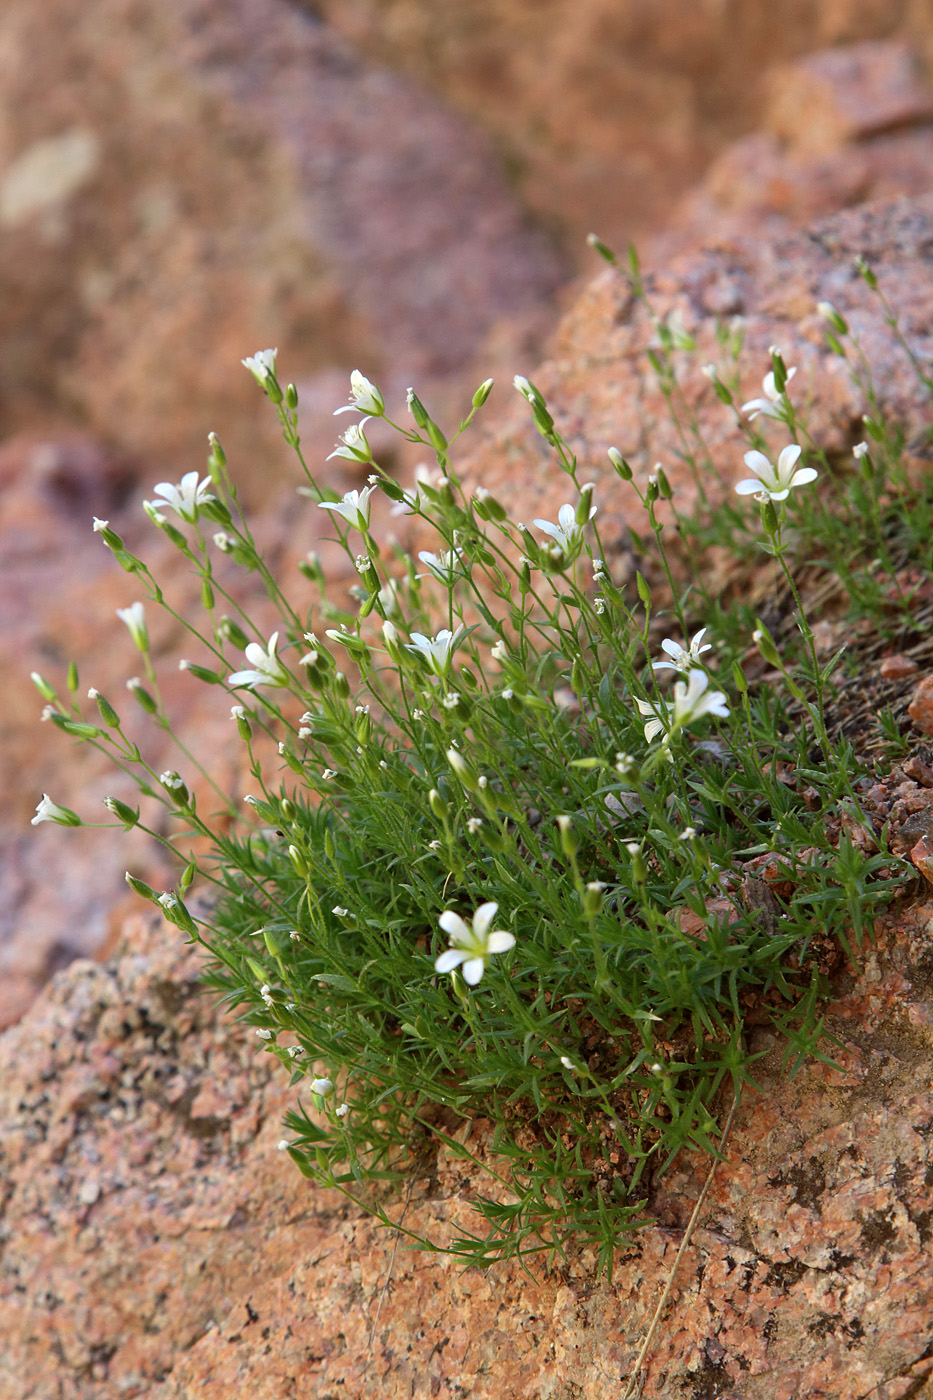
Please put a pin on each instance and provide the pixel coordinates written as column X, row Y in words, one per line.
column 765, row 644
column 107, row 712
column 463, row 769
column 45, row 690
column 232, row 632
column 217, row 457
column 832, row 317
column 620, row 465
column 176, row 788
column 417, row 410
column 568, row 837
column 110, row 537
column 135, row 685
column 437, row 804
column 482, row 393
column 123, row 813
column 200, row 673
column 593, row 898
column 139, row 886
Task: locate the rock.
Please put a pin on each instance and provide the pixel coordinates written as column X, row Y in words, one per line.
column 839, row 96
column 897, row 668
column 609, row 111
column 920, row 708
column 156, row 1244
column 922, row 857
column 841, row 127
column 201, row 180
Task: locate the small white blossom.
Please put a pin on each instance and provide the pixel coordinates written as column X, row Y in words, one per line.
column 283, row 1144
column 774, row 404
column 295, row 1052
column 451, row 700
column 437, row 651
column 263, row 1033
column 599, row 606
column 682, row 659
column 444, row 567
column 418, row 714
column 267, row 669
column 261, row 366
column 435, row 845
column 354, row 507
column 354, row 446
column 566, row 533
column 135, row 618
column 322, row 1086
column 327, row 774
column 500, row 651
column 339, row 910
column 185, row 498
column 473, row 944
column 691, row 701
column 566, row 1061
column 860, row 450
column 49, row 811
column 688, row 833
column 364, row 397
column 777, row 482
column 474, row 824
column 265, row 991
column 343, row 1110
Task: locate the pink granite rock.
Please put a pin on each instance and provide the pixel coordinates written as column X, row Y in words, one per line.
column 193, row 181
column 155, row 1244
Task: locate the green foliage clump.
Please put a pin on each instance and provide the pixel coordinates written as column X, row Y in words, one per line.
column 495, row 865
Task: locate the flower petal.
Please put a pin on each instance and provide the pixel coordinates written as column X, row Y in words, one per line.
column 483, row 918
column 500, row 942
column 453, row 925
column 473, row 971
column 449, row 960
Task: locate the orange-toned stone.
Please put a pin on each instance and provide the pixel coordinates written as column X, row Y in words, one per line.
column 920, row 708
column 897, row 668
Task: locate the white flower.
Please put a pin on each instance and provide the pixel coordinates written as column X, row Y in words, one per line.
column 681, row 658
column 566, row 533
column 263, row 1033
column 185, row 498
column 261, row 366
column 860, row 450
column 500, row 651
column 437, row 651
column 283, row 1144
column 353, row 445
column 354, row 507
column 343, row 1110
column 775, row 481
column 322, row 1086
column 364, row 397
column 339, row 910
column 473, row 943
column 267, row 668
column 135, row 618
column 444, row 567
column 474, row 824
column 49, row 811
column 774, row 404
column 566, row 1061
column 690, row 703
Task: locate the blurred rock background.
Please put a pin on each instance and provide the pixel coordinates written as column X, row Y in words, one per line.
column 391, row 184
